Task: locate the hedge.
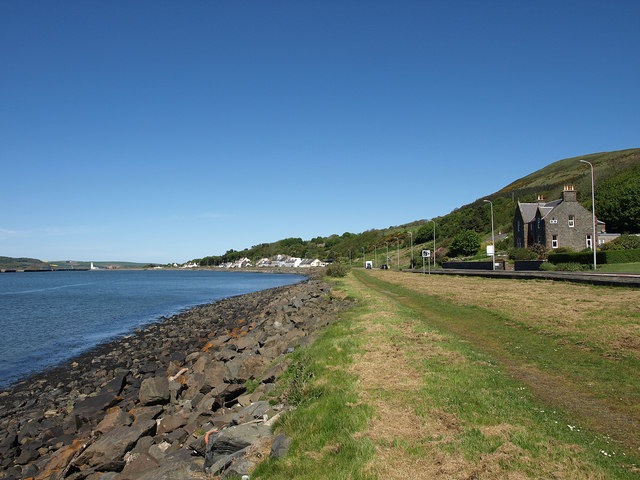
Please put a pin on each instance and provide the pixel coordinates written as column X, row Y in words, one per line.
column 622, row 256
column 585, row 258
column 607, row 256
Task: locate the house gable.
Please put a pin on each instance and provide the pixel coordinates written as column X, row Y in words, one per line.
column 560, row 223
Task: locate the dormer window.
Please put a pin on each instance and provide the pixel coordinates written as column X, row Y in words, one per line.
column 572, row 221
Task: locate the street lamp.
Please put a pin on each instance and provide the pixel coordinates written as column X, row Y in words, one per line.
column 434, row 243
column 364, row 259
column 411, row 234
column 493, row 238
column 387, row 262
column 375, row 254
column 398, row 245
column 593, row 210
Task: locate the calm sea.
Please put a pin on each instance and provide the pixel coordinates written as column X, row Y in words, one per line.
column 48, row 317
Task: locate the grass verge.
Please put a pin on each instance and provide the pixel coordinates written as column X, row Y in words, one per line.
column 390, row 391
column 327, row 415
column 620, row 267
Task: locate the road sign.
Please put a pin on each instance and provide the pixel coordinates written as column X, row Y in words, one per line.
column 426, row 253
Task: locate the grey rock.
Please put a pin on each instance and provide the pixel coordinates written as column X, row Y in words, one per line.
column 180, row 465
column 137, row 463
column 108, row 451
column 232, row 440
column 113, row 419
column 154, row 390
column 280, row 446
column 239, row 468
column 170, row 423
column 251, row 412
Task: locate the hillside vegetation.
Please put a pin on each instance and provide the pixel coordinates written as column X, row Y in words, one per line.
column 23, row 263
column 617, row 179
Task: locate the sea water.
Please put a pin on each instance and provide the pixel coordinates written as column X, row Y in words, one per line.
column 49, row 317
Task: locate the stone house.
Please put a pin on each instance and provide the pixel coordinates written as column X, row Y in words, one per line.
column 560, row 223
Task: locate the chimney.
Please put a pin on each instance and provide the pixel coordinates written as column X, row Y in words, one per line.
column 540, row 199
column 569, row 194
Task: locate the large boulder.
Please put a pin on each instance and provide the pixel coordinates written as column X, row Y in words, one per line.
column 107, row 453
column 232, row 440
column 154, row 390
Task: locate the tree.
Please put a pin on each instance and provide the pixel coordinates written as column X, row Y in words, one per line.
column 618, row 202
column 465, row 243
column 425, row 233
column 623, row 242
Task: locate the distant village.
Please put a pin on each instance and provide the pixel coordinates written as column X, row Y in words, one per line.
column 279, row 261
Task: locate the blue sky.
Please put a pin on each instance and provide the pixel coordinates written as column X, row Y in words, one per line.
column 165, row 131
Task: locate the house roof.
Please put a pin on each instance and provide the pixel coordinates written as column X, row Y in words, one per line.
column 529, row 210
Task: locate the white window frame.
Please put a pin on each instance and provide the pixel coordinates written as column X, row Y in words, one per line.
column 572, row 221
column 554, row 241
column 588, row 240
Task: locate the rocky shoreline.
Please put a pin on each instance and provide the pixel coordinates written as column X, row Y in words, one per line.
column 140, row 407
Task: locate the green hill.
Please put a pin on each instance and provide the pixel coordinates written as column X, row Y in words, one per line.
column 10, row 263
column 617, row 179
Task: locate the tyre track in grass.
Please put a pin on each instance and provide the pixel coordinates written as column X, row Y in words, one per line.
column 413, row 437
column 556, row 390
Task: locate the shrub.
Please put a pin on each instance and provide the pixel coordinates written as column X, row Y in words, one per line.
column 520, row 254
column 539, row 250
column 548, row 267
column 465, row 243
column 623, row 242
column 337, row 270
column 504, row 245
column 571, row 267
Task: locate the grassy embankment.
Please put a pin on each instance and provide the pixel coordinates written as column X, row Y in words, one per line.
column 436, row 377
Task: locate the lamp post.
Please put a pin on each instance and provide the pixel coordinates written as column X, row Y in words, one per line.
column 375, row 254
column 593, row 210
column 349, row 258
column 398, row 245
column 411, row 234
column 387, row 262
column 493, row 239
column 434, row 243
column 364, row 259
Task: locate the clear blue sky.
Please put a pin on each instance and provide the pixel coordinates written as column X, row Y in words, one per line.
column 165, row 131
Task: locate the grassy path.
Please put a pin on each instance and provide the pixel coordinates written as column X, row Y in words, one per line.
column 394, row 391
column 598, row 391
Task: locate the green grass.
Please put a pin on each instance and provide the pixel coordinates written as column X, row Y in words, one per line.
column 322, row 425
column 481, row 391
column 620, row 267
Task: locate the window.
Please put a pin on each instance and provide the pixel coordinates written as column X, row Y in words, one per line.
column 588, row 241
column 554, row 241
column 553, row 220
column 572, row 221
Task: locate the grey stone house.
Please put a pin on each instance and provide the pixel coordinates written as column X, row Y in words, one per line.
column 560, row 223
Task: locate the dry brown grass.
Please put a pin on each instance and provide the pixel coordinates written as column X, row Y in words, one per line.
column 390, row 384
column 554, row 307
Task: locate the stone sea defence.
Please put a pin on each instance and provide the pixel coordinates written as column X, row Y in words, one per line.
column 170, row 401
